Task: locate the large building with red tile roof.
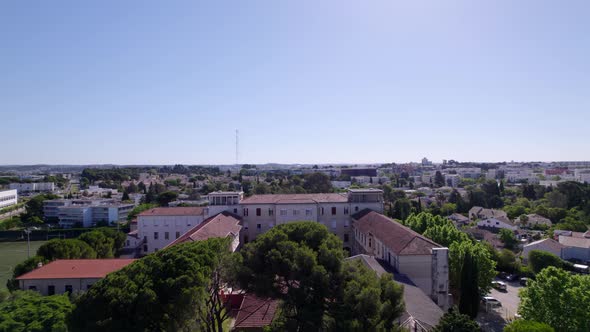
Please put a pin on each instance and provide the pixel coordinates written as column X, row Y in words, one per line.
column 224, row 224
column 425, row 262
column 69, row 275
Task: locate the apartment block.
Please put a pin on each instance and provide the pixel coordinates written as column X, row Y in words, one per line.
column 87, row 213
column 8, row 198
column 33, row 187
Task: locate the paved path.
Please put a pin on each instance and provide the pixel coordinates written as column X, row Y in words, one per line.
column 496, row 319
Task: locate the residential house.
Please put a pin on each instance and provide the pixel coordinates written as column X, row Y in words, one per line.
column 577, row 246
column 69, row 275
column 547, row 245
column 459, row 220
column 532, row 220
column 477, row 213
column 8, row 198
column 497, row 223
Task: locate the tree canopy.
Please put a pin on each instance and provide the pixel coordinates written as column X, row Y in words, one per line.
column 30, row 311
column 539, row 260
column 453, row 321
column 557, row 298
column 521, row 325
column 65, row 249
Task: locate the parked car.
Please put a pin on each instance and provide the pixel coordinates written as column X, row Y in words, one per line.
column 503, row 275
column 523, row 281
column 491, row 301
column 499, row 285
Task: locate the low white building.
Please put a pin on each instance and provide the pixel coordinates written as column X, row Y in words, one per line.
column 548, row 245
column 69, row 275
column 497, row 223
column 8, row 198
column 33, row 187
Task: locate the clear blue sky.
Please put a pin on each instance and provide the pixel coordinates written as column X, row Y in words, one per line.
column 304, row 81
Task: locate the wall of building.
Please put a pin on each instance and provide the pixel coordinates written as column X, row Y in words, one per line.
column 42, row 285
column 419, row 269
column 8, row 198
column 174, row 226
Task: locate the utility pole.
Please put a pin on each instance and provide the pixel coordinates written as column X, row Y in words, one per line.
column 28, row 231
column 237, row 146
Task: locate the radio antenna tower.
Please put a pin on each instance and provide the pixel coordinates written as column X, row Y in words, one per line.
column 237, row 146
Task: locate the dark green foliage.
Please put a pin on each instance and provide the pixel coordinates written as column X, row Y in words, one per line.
column 30, row 311
column 439, row 179
column 365, row 302
column 66, row 249
column 538, row 260
column 160, row 292
column 445, row 234
column 166, row 197
column 299, row 263
column 317, row 183
column 454, row 321
column 506, row 261
column 108, row 175
column 470, row 295
column 27, row 266
column 402, row 209
column 103, row 246
column 507, row 236
column 558, row 299
column 521, row 325
column 117, row 236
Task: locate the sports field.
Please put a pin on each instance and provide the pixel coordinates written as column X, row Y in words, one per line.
column 12, row 253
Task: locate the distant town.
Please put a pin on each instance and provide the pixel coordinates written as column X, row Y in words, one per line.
column 444, row 246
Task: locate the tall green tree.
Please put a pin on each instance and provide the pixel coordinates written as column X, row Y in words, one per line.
column 470, row 295
column 317, row 183
column 299, row 263
column 402, row 209
column 559, row 299
column 103, row 246
column 481, row 255
column 507, row 236
column 166, row 197
column 439, row 179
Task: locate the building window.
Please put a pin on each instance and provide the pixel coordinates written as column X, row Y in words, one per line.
column 177, row 235
column 308, row 212
column 50, row 290
column 245, row 212
column 145, row 248
column 235, row 211
column 145, row 238
column 166, row 235
column 270, row 225
column 346, row 223
column 69, row 289
column 295, row 212
column 322, row 211
column 246, row 239
column 345, row 237
column 333, row 224
column 333, row 210
column 34, row 288
column 258, row 226
column 283, row 212
column 356, row 209
column 155, row 235
column 88, row 286
column 369, row 242
column 345, row 210
column 258, row 212
column 128, row 243
column 271, row 212
column 246, row 225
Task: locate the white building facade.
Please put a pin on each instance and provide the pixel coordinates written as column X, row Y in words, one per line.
column 8, row 198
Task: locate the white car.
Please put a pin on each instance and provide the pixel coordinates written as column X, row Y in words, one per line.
column 499, row 285
column 491, row 301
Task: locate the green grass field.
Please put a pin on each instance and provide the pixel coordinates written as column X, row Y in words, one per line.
column 12, row 253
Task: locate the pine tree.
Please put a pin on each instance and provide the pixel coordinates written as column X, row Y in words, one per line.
column 469, row 299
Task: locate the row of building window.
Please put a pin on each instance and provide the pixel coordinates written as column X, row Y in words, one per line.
column 7, row 198
column 51, row 289
column 157, row 236
column 295, row 212
column 333, row 224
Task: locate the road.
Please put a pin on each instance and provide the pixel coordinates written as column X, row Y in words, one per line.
column 496, row 318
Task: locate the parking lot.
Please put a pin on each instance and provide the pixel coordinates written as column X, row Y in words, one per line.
column 495, row 319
